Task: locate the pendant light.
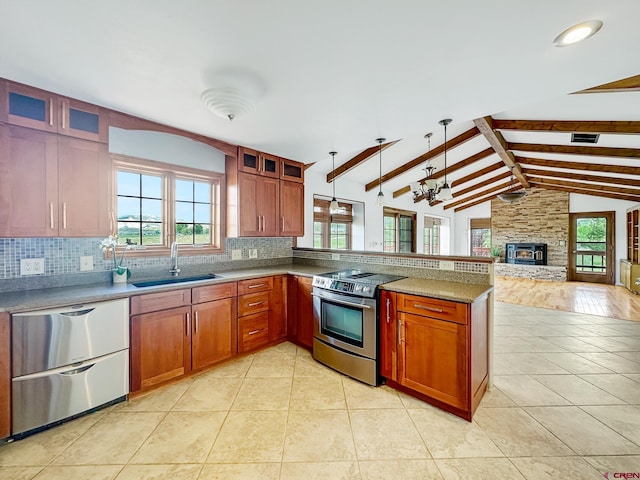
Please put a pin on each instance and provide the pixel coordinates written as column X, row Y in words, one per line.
column 511, row 195
column 445, row 191
column 429, row 189
column 380, row 197
column 333, row 206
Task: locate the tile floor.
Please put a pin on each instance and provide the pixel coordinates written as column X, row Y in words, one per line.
column 566, row 405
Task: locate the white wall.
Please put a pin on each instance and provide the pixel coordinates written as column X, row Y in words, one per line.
column 315, row 183
column 461, row 240
column 167, row 148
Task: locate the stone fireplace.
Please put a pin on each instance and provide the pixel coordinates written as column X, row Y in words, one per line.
column 526, row 253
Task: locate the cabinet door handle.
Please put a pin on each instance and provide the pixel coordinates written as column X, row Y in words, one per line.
column 254, row 304
column 256, row 285
column 187, row 324
column 195, row 322
column 64, row 215
column 253, row 332
column 51, row 112
column 400, row 332
column 283, row 224
column 431, row 309
column 262, row 217
column 51, row 215
column 388, row 310
column 63, row 114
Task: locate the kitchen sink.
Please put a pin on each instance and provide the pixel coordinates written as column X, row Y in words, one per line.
column 170, row 280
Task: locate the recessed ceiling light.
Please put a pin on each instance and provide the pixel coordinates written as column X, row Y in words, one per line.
column 577, row 33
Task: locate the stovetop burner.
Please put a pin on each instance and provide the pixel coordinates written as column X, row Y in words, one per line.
column 354, row 282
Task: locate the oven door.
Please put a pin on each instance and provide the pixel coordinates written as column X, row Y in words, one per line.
column 345, row 322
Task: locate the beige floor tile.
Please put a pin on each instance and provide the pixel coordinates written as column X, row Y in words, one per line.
column 209, row 394
column 19, row 473
column 624, row 419
column 524, row 363
column 614, row 463
column 577, row 390
column 272, row 366
column 235, row 368
column 181, row 437
column 478, row 469
column 583, row 433
column 633, row 356
column 517, row 434
column 556, row 468
column 320, row 471
column 448, row 436
column 574, row 363
column 318, row 435
column 399, row 470
column 263, row 394
column 409, row 401
column 526, row 390
column 85, row 472
column 382, row 434
column 241, row 471
column 524, row 345
column 41, row 448
column 633, row 376
column 613, row 362
column 495, row 397
column 159, row 400
column 250, row 436
column 306, row 366
column 572, row 344
column 360, row 395
column 160, row 472
column 111, row 441
column 619, row 385
column 284, row 348
column 309, row 393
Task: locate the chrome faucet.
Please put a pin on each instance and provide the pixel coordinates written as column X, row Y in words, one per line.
column 175, row 271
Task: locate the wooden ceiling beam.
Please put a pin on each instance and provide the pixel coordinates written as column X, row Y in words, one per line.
column 456, row 166
column 478, row 174
column 451, row 144
column 497, row 188
column 499, row 144
column 586, row 191
column 629, row 84
column 357, row 160
column 594, row 167
column 590, row 186
column 574, row 150
column 484, row 183
column 532, row 172
column 568, row 126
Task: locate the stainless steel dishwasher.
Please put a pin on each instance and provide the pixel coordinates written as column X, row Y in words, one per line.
column 67, row 361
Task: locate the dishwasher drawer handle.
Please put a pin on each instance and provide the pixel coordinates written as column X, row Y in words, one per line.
column 431, row 309
column 77, row 313
column 75, row 371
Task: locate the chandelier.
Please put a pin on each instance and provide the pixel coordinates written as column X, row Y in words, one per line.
column 511, row 195
column 429, row 188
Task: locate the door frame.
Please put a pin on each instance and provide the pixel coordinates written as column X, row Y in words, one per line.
column 609, row 276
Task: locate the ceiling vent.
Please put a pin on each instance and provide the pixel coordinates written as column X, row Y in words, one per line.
column 585, row 137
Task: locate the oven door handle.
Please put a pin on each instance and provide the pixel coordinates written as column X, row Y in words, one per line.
column 341, row 302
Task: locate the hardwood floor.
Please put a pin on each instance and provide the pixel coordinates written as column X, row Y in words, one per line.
column 580, row 297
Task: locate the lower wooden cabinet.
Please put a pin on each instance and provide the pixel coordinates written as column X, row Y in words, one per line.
column 436, row 349
column 253, row 331
column 278, row 309
column 254, row 304
column 629, row 273
column 5, row 376
column 300, row 311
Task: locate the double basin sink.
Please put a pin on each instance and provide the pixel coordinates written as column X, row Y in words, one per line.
column 172, row 280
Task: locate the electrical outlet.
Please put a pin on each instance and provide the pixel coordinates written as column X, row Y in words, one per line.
column 447, row 265
column 236, row 254
column 335, row 256
column 32, row 266
column 86, row 263
column 253, row 253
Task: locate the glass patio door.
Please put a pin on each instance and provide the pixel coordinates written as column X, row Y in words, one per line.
column 591, row 247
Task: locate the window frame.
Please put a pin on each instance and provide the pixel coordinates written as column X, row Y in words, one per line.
column 432, row 229
column 326, row 220
column 396, row 214
column 480, row 224
column 169, row 174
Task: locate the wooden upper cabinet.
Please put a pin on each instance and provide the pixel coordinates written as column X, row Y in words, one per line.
column 291, row 171
column 41, row 110
column 291, row 209
column 258, row 205
column 258, row 163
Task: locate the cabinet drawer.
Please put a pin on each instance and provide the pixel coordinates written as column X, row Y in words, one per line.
column 213, row 292
column 154, row 302
column 253, row 303
column 255, row 285
column 253, row 331
column 434, row 308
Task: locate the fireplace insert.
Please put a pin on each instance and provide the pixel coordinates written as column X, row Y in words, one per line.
column 526, row 253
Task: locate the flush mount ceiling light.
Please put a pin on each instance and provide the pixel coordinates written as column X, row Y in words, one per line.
column 380, row 197
column 578, row 33
column 511, row 196
column 227, row 102
column 333, row 206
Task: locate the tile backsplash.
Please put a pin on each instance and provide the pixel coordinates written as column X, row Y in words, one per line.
column 62, row 260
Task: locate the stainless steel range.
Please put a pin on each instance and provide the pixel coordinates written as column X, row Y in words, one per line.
column 346, row 327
